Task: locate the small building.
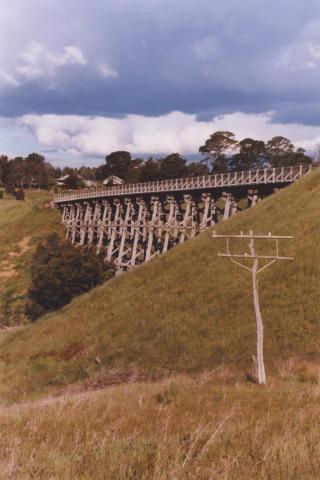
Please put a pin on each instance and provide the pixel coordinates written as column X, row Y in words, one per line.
column 113, row 181
column 62, row 181
column 90, row 183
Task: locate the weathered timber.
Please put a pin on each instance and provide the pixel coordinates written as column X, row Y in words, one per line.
column 132, row 223
column 255, row 270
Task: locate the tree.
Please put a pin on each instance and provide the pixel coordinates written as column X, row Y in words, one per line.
column 281, row 153
column 16, row 174
column 50, row 173
column 88, row 173
column 60, row 272
column 215, row 149
column 173, row 166
column 252, row 154
column 4, row 165
column 69, row 171
column 117, row 163
column 73, row 181
column 134, row 171
column 56, row 172
column 36, row 170
column 196, row 169
column 150, row 171
column 300, row 157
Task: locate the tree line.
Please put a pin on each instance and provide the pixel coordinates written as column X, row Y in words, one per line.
column 26, row 172
column 221, row 152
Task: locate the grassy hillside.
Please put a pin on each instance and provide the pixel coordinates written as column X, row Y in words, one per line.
column 184, row 312
column 22, row 225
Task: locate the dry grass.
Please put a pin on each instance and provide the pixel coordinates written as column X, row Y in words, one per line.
column 178, row 429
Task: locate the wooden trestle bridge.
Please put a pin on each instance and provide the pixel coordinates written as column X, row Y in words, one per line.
column 132, row 223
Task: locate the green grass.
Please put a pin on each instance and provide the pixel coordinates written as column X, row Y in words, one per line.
column 22, row 225
column 187, row 311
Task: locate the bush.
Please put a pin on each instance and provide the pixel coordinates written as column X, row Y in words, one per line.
column 60, row 272
column 19, row 194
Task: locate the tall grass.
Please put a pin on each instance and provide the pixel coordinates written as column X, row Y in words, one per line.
column 178, row 429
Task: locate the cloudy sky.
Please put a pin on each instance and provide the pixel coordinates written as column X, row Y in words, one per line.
column 81, row 78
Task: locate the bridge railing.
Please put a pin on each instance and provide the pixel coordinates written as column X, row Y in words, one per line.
column 220, row 180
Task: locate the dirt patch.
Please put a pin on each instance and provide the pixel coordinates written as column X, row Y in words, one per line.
column 23, row 247
column 7, row 270
column 72, row 351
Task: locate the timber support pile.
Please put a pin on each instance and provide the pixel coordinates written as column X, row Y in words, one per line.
column 132, row 223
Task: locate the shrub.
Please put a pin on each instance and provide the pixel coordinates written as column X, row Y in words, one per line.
column 59, row 272
column 19, row 194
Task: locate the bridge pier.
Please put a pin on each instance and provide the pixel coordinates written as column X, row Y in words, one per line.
column 230, row 207
column 132, row 230
column 253, row 197
column 133, row 223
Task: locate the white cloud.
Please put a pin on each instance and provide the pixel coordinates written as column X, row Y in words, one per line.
column 8, row 79
column 175, row 132
column 40, row 61
column 207, row 49
column 314, row 50
column 106, row 71
column 304, row 52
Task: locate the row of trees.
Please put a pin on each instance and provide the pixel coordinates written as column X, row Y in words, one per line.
column 21, row 172
column 220, row 153
column 224, row 153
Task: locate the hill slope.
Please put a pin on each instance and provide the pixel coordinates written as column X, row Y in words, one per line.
column 22, row 225
column 185, row 311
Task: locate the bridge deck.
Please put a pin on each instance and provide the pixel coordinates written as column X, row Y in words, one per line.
column 235, row 179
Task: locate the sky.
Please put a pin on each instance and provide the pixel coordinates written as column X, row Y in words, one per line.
column 82, row 78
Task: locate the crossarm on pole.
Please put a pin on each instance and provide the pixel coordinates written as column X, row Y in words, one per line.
column 266, row 266
column 241, row 265
column 265, row 237
column 265, row 257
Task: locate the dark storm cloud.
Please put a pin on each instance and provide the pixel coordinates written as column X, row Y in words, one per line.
column 152, row 57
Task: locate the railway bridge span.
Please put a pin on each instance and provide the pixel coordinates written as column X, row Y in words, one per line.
column 132, row 223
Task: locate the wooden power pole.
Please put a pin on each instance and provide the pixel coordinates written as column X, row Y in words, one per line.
column 255, row 270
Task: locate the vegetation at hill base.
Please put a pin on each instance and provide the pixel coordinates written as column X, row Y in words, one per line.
column 60, row 272
column 186, row 311
column 22, row 226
